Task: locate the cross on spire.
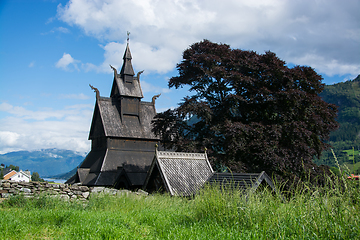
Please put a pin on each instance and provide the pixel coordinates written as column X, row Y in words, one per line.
column 128, row 36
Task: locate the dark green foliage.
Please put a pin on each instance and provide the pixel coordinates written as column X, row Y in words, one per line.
column 2, row 166
column 12, row 167
column 36, row 177
column 16, row 201
column 253, row 112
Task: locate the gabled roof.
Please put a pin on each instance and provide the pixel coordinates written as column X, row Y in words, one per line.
column 9, row 174
column 13, row 175
column 108, row 122
column 182, row 174
column 25, row 173
column 240, row 181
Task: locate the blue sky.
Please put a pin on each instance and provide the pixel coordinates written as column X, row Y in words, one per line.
column 50, row 51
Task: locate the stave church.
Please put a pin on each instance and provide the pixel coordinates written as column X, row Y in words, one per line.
column 122, row 144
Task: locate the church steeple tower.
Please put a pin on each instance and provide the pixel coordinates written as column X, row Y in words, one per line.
column 127, row 71
column 126, row 84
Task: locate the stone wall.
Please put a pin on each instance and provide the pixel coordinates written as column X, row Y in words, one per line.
column 65, row 191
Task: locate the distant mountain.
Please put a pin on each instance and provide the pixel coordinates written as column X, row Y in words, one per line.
column 346, row 95
column 66, row 175
column 47, row 162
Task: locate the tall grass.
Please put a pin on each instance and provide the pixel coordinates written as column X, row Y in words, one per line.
column 329, row 212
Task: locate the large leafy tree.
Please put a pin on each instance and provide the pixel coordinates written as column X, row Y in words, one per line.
column 250, row 110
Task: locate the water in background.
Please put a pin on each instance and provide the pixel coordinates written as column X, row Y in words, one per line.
column 55, row 180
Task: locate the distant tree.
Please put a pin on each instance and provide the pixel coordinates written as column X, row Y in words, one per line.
column 1, row 173
column 12, row 167
column 250, row 111
column 36, row 177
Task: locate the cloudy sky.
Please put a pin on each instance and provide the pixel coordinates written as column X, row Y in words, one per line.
column 51, row 50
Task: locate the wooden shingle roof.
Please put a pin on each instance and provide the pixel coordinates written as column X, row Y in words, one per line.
column 240, row 181
column 108, row 122
column 182, row 174
column 133, row 91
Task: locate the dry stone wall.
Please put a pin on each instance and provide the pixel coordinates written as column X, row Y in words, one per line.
column 64, row 191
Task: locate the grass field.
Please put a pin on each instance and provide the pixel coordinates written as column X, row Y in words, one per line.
column 351, row 153
column 353, row 168
column 331, row 212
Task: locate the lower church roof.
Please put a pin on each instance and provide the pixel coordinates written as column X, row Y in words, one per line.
column 182, row 173
column 101, row 167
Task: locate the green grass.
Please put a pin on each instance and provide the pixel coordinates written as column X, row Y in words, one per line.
column 352, row 167
column 331, row 212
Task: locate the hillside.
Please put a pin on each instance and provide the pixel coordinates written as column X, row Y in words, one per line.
column 346, row 96
column 47, row 162
column 66, row 175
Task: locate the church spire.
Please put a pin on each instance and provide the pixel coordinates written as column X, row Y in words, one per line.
column 127, row 68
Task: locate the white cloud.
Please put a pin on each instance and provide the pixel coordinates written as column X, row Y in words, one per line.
column 161, row 30
column 25, row 129
column 21, row 112
column 58, row 29
column 80, row 96
column 330, row 67
column 5, row 107
column 32, row 64
column 67, row 62
column 8, row 138
column 147, row 87
column 43, row 114
column 148, row 58
column 62, row 29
